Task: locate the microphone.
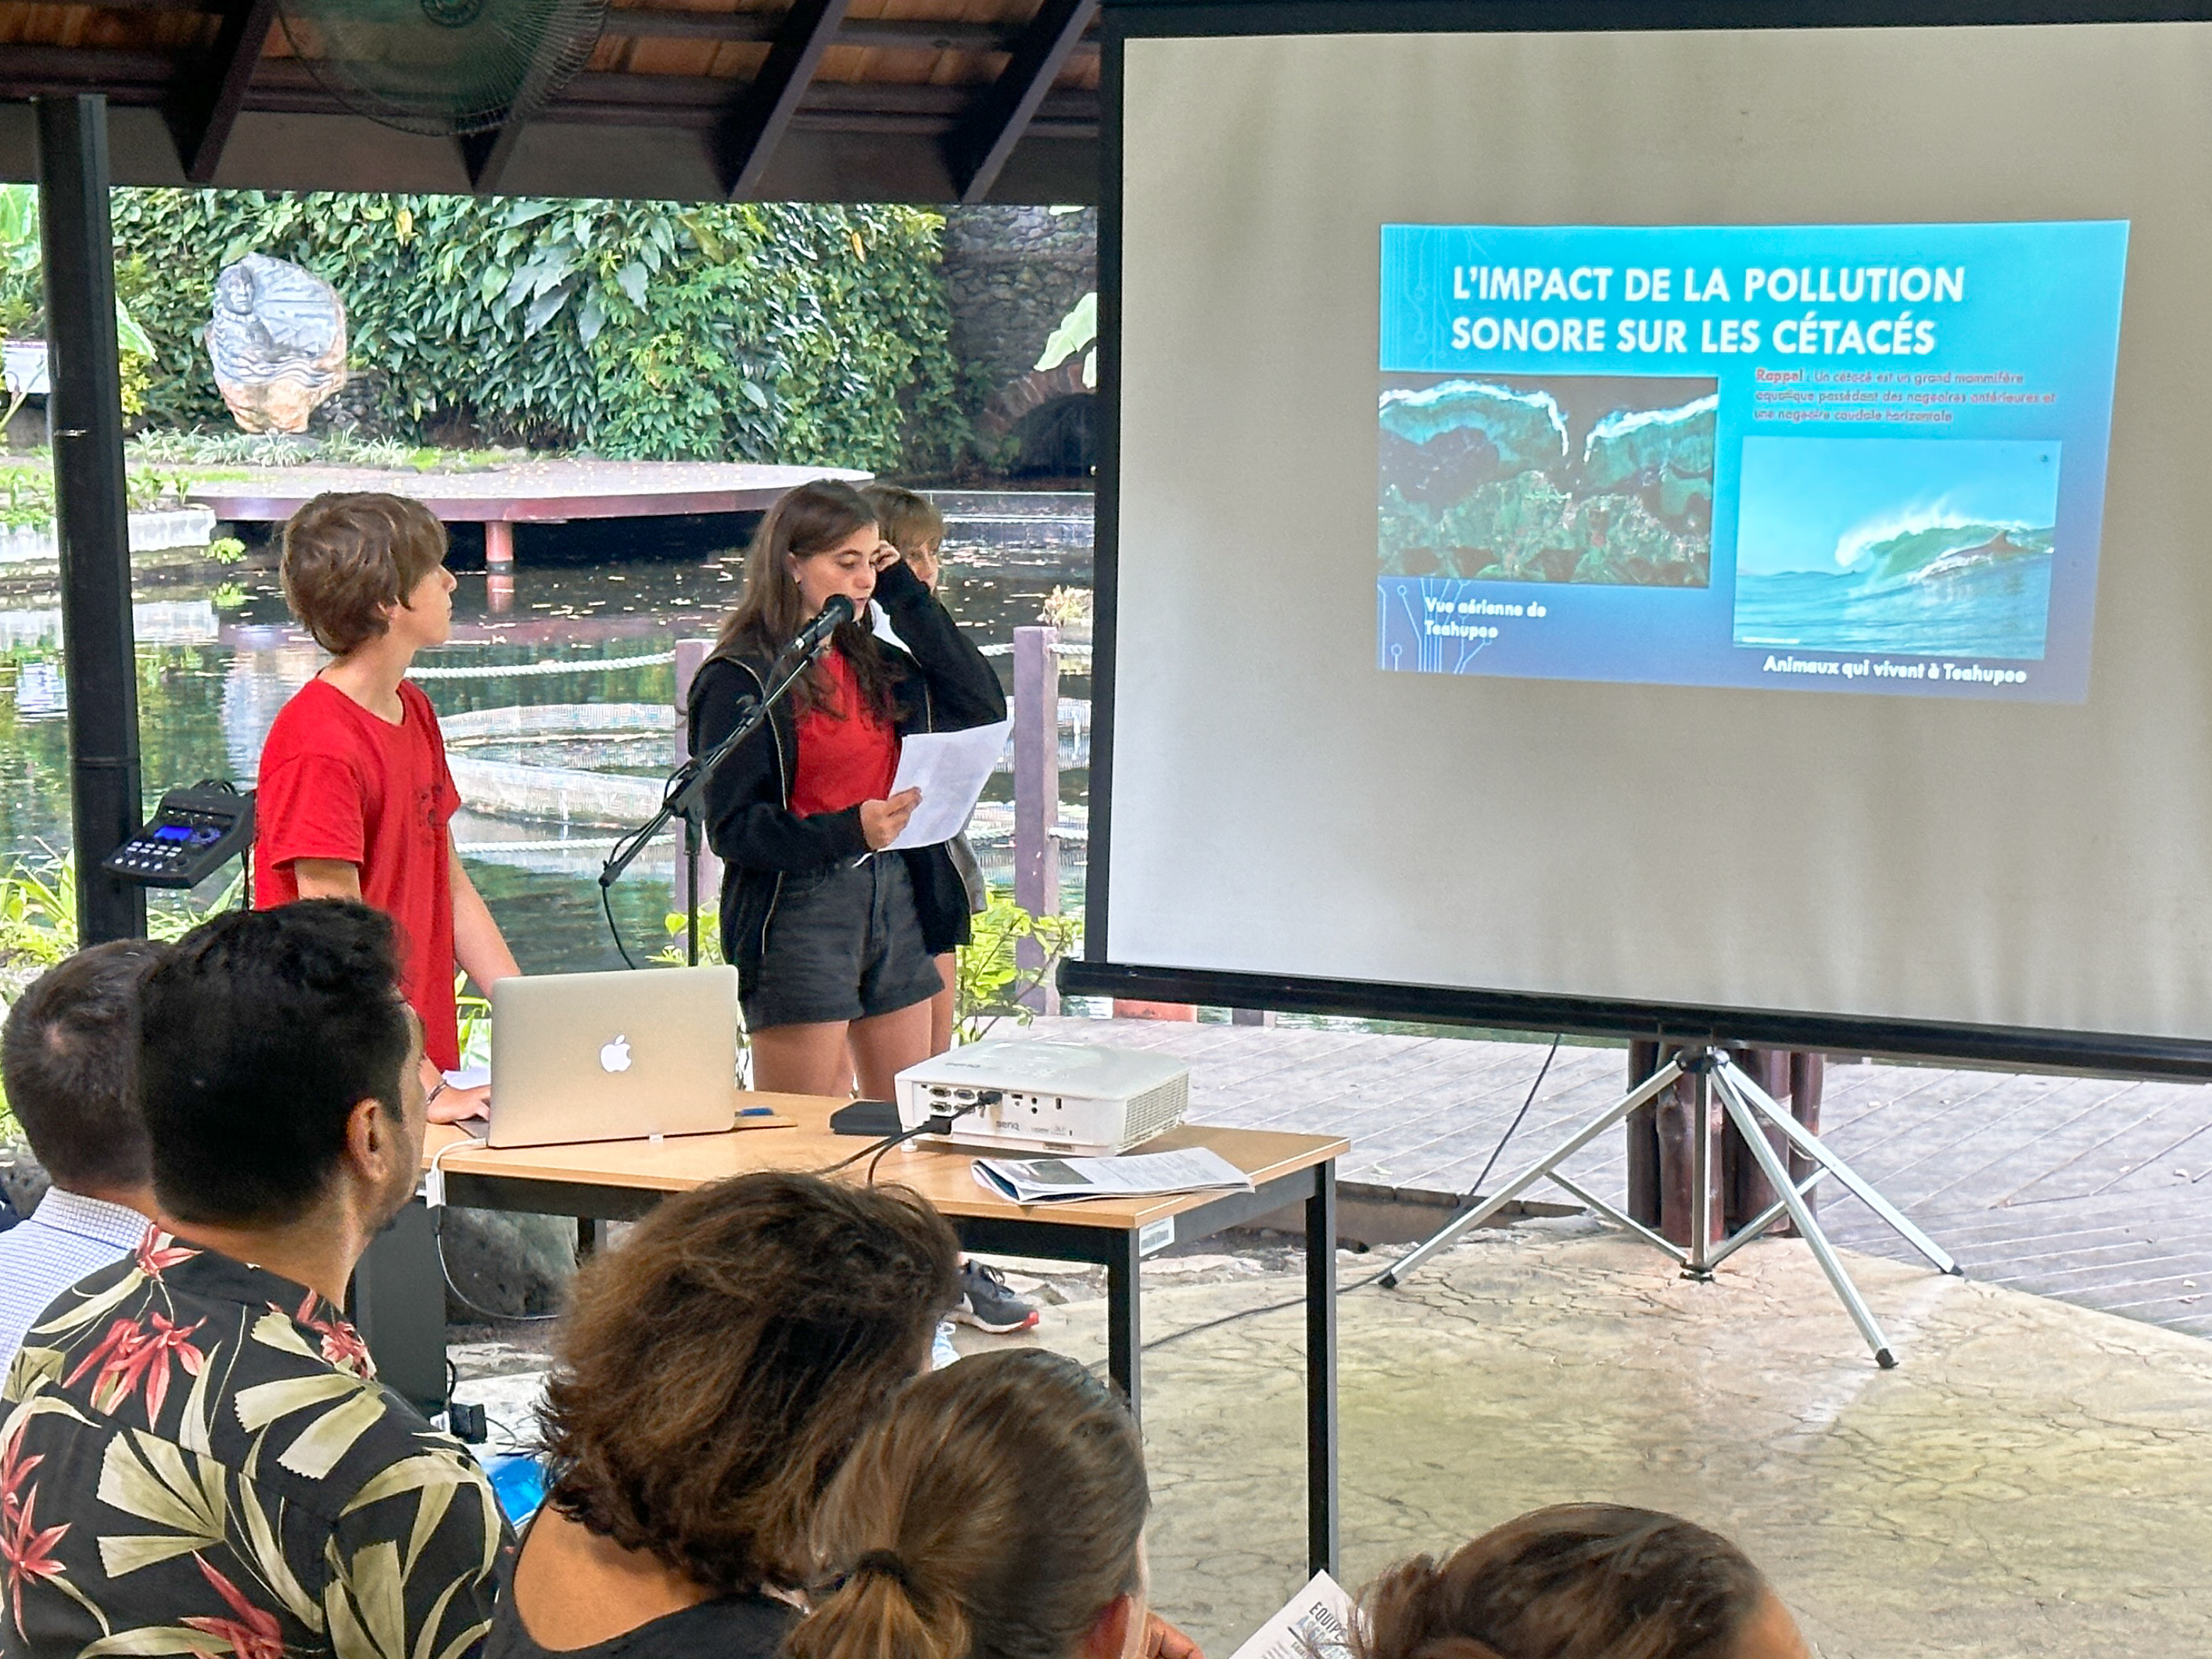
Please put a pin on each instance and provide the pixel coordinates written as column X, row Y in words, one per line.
column 816, row 635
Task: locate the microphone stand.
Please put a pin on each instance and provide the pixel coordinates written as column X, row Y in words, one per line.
column 685, row 793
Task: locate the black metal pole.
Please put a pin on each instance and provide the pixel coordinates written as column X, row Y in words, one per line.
column 1320, row 1373
column 1125, row 1329
column 84, row 413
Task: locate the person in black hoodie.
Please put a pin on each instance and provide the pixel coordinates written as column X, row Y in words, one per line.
column 835, row 939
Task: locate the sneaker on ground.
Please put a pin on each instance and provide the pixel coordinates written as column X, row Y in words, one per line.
column 987, row 1305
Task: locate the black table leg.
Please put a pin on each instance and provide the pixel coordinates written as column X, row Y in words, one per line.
column 1124, row 1325
column 1321, row 1372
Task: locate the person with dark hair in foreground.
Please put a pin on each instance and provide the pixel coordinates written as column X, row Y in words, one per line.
column 996, row 1512
column 711, row 1375
column 66, row 1055
column 195, row 1455
column 1581, row 1581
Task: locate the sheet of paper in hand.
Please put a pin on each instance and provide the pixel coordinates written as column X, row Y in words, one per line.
column 1315, row 1624
column 950, row 768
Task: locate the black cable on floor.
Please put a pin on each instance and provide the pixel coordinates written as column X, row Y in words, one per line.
column 1496, row 1153
column 1544, row 1071
column 438, row 1239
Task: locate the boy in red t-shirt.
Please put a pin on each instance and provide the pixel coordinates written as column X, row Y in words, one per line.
column 354, row 796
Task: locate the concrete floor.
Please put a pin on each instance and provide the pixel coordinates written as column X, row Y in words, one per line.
column 2036, row 1480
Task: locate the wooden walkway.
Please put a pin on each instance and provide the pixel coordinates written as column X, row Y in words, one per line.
column 520, row 491
column 2096, row 1191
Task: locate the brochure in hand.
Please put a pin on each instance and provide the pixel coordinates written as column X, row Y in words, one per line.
column 1057, row 1180
column 1315, row 1624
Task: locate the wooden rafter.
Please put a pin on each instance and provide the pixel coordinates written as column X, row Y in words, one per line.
column 757, row 122
column 976, row 150
column 207, row 105
column 666, row 23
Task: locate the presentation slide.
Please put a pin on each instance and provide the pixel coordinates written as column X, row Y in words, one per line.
column 1678, row 520
column 1834, row 458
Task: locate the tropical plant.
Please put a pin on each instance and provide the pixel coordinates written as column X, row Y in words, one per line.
column 674, row 954
column 22, row 304
column 993, row 984
column 474, row 1014
column 746, row 330
column 38, row 928
column 26, row 492
column 38, row 916
column 1077, row 332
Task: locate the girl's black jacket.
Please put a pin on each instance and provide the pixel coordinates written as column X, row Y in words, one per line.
column 941, row 683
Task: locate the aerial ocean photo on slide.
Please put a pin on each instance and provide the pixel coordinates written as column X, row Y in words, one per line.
column 1934, row 547
column 1569, row 478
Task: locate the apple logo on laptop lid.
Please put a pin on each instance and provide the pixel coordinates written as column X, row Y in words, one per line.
column 614, row 1056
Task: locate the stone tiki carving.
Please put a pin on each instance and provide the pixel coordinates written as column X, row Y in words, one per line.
column 278, row 341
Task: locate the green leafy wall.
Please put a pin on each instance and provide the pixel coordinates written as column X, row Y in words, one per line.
column 750, row 332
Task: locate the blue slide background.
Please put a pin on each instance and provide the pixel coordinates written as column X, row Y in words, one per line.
column 2041, row 302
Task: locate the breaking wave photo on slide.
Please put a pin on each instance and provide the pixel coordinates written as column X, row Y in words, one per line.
column 1592, row 479
column 1920, row 547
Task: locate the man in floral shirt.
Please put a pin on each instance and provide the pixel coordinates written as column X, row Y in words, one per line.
column 195, row 1456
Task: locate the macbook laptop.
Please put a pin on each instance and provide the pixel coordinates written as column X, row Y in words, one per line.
column 612, row 1056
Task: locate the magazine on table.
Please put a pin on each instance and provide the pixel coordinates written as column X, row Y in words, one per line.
column 1057, row 1180
column 1315, row 1624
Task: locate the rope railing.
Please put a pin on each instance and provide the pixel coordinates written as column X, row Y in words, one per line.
column 1005, row 647
column 520, row 670
column 597, row 846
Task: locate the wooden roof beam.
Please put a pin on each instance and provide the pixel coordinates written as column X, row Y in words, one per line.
column 659, row 23
column 762, row 113
column 884, row 33
column 207, row 104
column 976, row 150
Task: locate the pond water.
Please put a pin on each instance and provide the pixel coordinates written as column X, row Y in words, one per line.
column 218, row 655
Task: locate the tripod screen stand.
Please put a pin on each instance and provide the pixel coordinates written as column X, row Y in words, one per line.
column 1751, row 1108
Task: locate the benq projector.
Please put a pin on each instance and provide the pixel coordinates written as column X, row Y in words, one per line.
column 1041, row 1096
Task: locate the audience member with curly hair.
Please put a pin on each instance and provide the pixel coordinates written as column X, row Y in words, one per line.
column 712, row 1375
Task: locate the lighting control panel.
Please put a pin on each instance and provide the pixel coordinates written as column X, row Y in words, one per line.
column 191, row 834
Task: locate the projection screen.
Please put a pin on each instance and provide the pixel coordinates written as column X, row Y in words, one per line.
column 1662, row 531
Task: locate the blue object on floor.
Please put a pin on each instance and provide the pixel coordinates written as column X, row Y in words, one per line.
column 941, row 1351
column 518, row 1483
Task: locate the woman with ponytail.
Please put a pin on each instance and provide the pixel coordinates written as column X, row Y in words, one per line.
column 834, row 938
column 996, row 1512
column 1581, row 1581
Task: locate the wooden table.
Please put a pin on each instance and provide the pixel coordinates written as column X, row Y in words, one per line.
column 620, row 1180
